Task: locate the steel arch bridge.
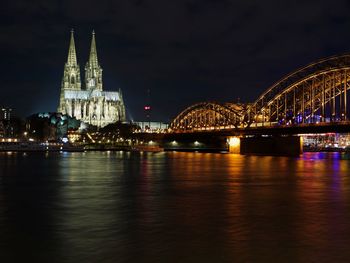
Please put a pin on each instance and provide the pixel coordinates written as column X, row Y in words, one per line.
column 316, row 93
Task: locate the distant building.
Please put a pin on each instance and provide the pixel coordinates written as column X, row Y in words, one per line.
column 11, row 126
column 5, row 114
column 7, row 127
column 151, row 126
column 90, row 103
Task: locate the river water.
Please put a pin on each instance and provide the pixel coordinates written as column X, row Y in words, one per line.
column 174, row 207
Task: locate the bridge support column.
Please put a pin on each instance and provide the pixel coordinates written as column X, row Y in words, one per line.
column 272, row 145
column 234, row 144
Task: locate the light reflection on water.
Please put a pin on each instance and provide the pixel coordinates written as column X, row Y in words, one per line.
column 174, row 207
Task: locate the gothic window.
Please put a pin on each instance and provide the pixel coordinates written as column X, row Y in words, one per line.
column 72, row 79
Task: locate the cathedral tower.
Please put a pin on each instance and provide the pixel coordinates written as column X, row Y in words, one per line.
column 71, row 74
column 93, row 71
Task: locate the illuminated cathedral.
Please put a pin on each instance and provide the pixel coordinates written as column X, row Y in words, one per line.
column 88, row 103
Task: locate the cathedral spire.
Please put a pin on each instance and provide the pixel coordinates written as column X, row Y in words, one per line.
column 93, row 53
column 72, row 55
column 93, row 71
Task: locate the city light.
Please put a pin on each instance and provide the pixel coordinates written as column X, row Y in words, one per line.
column 234, row 144
column 234, row 141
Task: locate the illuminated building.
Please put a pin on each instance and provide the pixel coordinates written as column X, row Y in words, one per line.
column 151, row 126
column 5, row 114
column 7, row 128
column 90, row 103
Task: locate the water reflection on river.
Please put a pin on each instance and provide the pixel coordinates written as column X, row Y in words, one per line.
column 174, row 207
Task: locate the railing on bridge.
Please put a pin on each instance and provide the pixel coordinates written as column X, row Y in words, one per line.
column 317, row 93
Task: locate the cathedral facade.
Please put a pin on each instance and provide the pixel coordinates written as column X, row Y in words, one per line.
column 88, row 103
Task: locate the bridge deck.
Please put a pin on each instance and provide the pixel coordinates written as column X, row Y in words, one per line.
column 327, row 127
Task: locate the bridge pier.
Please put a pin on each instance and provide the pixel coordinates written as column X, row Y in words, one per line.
column 271, row 145
column 234, row 144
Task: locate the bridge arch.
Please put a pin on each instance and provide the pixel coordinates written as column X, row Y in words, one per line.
column 313, row 94
column 208, row 115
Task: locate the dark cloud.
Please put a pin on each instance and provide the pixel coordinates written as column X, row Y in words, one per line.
column 184, row 51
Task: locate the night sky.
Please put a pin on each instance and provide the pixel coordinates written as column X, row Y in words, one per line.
column 183, row 51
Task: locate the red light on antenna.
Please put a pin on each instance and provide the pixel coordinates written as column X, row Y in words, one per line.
column 147, row 107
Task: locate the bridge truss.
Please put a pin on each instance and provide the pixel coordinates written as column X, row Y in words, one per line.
column 317, row 93
column 209, row 115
